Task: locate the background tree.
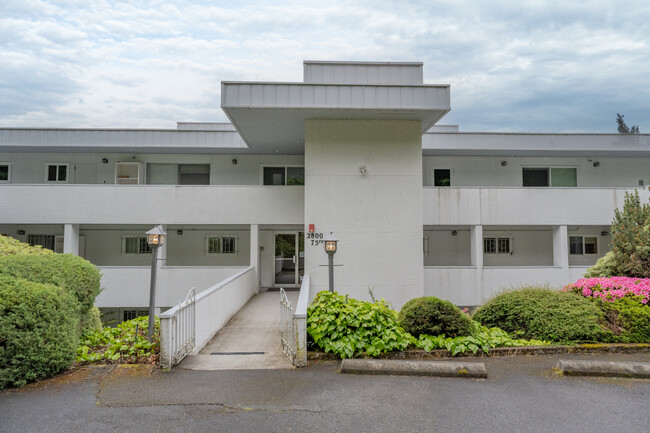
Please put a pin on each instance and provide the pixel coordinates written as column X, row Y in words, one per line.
column 630, row 254
column 623, row 128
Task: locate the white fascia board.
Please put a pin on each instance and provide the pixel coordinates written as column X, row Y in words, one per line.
column 119, row 140
column 535, row 144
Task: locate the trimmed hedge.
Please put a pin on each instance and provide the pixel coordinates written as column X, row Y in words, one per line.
column 73, row 273
column 432, row 316
column 10, row 246
column 628, row 319
column 542, row 313
column 38, row 330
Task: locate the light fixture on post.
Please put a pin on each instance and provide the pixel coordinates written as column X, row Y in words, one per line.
column 155, row 238
column 330, row 248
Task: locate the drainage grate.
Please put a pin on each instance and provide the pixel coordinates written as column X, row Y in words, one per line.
column 237, row 353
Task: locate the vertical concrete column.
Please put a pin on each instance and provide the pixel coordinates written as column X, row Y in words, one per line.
column 162, row 254
column 476, row 246
column 560, row 247
column 255, row 253
column 71, row 239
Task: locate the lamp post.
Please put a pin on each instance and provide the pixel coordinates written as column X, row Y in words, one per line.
column 330, row 249
column 155, row 238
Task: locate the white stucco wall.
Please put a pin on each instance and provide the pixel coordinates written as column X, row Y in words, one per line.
column 377, row 217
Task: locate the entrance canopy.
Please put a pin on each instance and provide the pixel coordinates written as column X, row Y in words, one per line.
column 270, row 117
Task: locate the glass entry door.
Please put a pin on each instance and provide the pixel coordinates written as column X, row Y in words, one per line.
column 289, row 259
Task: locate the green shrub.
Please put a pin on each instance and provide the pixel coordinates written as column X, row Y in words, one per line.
column 545, row 314
column 433, row 316
column 628, row 319
column 76, row 275
column 38, row 330
column 10, row 246
column 348, row 327
column 91, row 321
column 605, row 267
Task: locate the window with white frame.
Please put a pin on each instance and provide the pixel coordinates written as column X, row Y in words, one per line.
column 133, row 245
column 56, row 172
column 549, row 176
column 220, row 244
column 5, row 172
column 583, row 245
column 281, row 175
column 497, row 245
column 51, row 242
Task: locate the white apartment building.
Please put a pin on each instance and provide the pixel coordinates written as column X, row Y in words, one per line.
column 353, row 150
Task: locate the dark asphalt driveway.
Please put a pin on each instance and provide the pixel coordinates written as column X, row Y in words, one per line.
column 521, row 394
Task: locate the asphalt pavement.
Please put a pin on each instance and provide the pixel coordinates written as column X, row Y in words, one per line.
column 521, row 394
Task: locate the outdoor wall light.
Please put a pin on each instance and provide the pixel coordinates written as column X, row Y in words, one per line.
column 604, row 233
column 596, row 164
column 179, row 232
column 155, row 238
column 504, row 163
column 21, row 232
column 105, row 160
column 234, row 161
column 454, row 232
column 363, row 169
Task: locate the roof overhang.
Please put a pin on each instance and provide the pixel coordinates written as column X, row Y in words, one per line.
column 270, row 117
column 536, row 144
column 173, row 141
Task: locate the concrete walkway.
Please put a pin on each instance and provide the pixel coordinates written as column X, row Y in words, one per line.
column 250, row 341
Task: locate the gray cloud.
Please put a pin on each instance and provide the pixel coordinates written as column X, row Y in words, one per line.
column 513, row 65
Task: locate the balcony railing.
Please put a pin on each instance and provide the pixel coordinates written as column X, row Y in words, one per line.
column 148, row 204
column 523, row 206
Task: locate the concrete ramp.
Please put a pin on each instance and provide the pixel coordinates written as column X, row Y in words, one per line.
column 250, row 340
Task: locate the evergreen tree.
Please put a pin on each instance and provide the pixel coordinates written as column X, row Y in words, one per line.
column 631, row 238
column 623, row 128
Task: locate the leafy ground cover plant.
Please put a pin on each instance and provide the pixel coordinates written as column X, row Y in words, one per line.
column 348, row 327
column 121, row 344
column 612, row 288
column 480, row 337
column 536, row 312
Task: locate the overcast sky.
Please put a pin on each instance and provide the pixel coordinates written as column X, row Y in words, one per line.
column 513, row 65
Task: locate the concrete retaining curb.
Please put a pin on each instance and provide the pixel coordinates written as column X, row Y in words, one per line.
column 414, row 368
column 604, row 368
column 502, row 351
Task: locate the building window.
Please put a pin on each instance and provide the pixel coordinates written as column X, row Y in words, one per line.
column 56, row 173
column 549, row 176
column 283, row 176
column 133, row 314
column 441, row 177
column 51, row 242
column 178, row 174
column 219, row 244
column 497, row 245
column 425, row 245
column 582, row 245
column 5, row 172
column 135, row 245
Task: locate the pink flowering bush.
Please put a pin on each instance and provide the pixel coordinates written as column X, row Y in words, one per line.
column 624, row 303
column 612, row 288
